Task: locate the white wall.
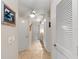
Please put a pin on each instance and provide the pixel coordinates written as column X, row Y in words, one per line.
column 9, row 35
column 23, row 34
column 35, row 31
column 47, row 35
column 53, row 27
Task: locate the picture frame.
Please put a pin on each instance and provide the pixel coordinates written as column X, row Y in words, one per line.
column 49, row 24
column 8, row 16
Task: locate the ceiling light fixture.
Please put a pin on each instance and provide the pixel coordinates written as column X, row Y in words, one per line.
column 32, row 15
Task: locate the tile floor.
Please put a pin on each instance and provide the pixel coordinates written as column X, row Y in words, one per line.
column 36, row 52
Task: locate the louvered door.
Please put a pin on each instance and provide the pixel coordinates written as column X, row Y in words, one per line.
column 66, row 25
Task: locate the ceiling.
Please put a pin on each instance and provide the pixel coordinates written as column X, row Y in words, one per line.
column 27, row 6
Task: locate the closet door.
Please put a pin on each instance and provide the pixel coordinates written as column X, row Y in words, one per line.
column 66, row 30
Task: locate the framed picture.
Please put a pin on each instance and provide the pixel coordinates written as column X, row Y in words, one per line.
column 49, row 24
column 30, row 27
column 8, row 16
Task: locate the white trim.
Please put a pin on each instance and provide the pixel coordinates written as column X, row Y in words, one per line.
column 75, row 27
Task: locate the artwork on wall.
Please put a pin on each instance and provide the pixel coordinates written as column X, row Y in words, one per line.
column 30, row 27
column 49, row 24
column 8, row 16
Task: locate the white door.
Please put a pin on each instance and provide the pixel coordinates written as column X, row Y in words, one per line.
column 65, row 42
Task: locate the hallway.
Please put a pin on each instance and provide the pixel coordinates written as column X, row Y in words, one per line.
column 36, row 52
column 33, row 30
column 39, row 29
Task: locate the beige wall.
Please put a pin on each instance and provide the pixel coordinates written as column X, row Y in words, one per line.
column 9, row 34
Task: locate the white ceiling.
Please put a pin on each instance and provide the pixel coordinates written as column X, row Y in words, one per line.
column 26, row 7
